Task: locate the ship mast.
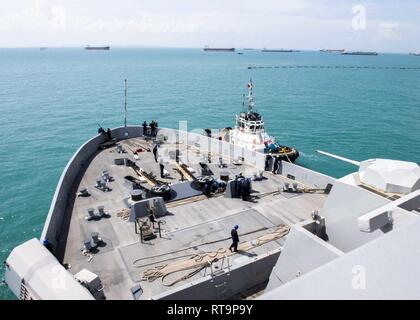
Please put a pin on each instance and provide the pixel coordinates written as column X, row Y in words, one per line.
column 125, row 103
column 250, row 97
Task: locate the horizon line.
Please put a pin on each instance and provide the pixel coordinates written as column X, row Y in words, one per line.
column 187, row 47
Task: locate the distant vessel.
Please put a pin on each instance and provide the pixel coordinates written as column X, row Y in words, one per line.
column 359, row 53
column 97, row 48
column 43, row 48
column 332, row 50
column 279, row 50
column 249, row 49
column 207, row 48
column 417, row 54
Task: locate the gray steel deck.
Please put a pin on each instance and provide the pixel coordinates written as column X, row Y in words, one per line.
column 186, row 225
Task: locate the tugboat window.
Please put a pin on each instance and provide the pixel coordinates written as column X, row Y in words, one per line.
column 126, row 134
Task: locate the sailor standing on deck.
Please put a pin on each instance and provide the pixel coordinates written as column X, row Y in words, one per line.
column 235, row 239
column 276, row 165
column 152, row 128
column 144, row 128
column 155, row 150
column 162, row 167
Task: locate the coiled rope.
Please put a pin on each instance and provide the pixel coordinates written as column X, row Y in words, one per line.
column 188, row 248
column 198, row 262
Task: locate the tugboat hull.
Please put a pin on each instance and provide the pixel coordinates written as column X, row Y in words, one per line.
column 290, row 155
column 273, row 160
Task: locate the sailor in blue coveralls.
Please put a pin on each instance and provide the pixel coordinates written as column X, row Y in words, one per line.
column 235, row 239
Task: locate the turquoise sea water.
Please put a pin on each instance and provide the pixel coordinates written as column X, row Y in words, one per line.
column 50, row 102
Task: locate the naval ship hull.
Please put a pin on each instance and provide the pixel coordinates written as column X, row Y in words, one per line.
column 67, row 225
column 295, row 222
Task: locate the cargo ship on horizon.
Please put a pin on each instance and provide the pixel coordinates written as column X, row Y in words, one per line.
column 207, row 48
column 332, row 50
column 360, row 53
column 88, row 47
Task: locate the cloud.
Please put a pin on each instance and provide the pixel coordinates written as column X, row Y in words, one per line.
column 389, row 25
column 9, row 22
column 143, row 24
column 58, row 17
column 36, row 12
column 389, row 30
column 39, row 16
column 300, row 24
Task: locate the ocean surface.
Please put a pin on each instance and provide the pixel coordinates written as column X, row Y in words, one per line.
column 359, row 107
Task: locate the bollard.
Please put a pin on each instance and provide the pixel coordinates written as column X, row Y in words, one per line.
column 95, row 237
column 105, row 175
column 101, row 211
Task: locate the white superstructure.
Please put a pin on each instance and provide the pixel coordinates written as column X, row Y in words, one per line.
column 362, row 244
column 33, row 273
column 390, row 176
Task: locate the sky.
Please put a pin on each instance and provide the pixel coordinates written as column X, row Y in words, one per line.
column 375, row 25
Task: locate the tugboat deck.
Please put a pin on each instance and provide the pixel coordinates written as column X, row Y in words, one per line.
column 188, row 226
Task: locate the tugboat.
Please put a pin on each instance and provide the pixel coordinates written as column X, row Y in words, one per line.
column 249, row 132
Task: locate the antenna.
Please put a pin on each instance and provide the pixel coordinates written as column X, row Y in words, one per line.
column 250, row 98
column 125, row 103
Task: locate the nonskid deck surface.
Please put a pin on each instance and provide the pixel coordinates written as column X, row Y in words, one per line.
column 190, row 224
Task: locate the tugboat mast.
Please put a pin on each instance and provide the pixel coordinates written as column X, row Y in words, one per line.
column 250, row 97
